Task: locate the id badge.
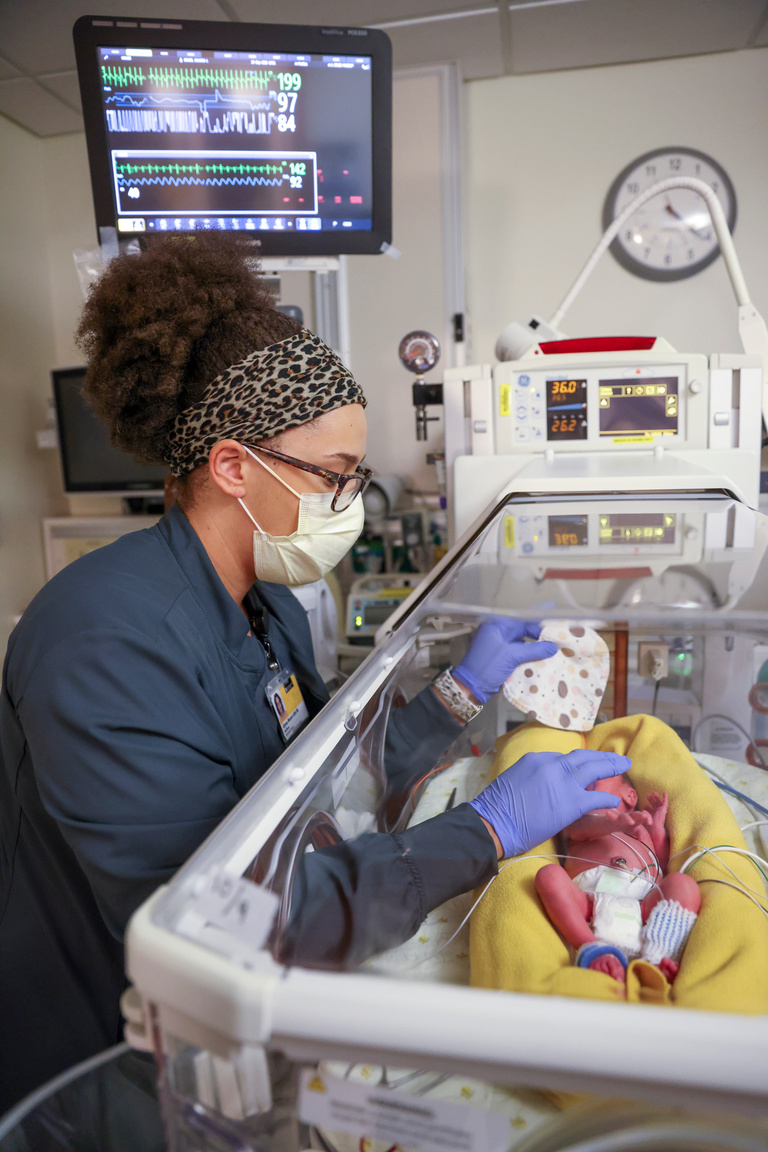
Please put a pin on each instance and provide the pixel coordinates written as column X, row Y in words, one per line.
column 286, row 701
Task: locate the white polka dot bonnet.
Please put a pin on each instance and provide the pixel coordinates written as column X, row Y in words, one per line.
column 566, row 690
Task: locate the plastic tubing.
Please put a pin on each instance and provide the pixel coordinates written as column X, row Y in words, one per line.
column 717, row 216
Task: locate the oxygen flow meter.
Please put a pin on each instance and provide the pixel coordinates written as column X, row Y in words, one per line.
column 419, row 351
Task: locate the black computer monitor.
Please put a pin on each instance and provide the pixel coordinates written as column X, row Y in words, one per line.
column 279, row 131
column 89, row 462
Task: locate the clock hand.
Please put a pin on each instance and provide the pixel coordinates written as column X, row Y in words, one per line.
column 673, row 212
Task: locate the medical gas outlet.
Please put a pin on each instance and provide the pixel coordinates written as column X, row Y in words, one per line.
column 653, row 659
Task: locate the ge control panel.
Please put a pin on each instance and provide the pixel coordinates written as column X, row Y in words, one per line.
column 598, row 406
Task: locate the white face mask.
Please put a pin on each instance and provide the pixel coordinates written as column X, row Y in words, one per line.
column 322, row 538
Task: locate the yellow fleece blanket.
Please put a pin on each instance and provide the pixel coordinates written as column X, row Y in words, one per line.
column 724, row 966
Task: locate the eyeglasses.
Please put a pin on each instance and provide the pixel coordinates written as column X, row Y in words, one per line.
column 347, row 486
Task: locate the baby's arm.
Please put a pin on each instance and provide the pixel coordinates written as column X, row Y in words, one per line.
column 658, row 806
column 596, row 824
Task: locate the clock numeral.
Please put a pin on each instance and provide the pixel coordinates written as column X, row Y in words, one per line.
column 715, row 185
column 633, row 187
column 650, row 169
column 691, row 253
column 674, row 163
column 667, row 259
column 698, row 169
column 628, row 234
column 647, row 252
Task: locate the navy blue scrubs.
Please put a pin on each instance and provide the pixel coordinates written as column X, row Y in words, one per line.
column 133, row 718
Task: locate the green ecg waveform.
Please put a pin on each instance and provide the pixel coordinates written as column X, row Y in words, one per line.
column 117, row 76
column 196, row 169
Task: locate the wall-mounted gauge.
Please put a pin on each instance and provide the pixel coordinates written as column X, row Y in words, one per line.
column 419, row 351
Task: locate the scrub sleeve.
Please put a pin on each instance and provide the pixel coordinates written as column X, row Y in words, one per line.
column 373, row 892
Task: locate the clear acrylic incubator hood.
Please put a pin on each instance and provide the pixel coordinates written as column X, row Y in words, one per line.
column 677, row 586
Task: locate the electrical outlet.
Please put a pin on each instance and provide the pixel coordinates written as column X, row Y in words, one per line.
column 653, row 659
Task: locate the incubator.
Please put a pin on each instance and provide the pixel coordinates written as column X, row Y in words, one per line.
column 404, row 1050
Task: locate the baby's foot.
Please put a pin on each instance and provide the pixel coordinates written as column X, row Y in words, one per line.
column 611, row 966
column 669, row 969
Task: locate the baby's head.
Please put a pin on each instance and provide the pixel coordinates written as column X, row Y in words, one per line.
column 619, row 786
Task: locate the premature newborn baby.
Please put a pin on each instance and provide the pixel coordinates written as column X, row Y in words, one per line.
column 612, row 900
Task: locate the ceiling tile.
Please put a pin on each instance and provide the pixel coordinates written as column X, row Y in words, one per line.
column 29, row 105
column 474, row 41
column 593, row 32
column 37, row 34
column 7, row 70
column 64, row 85
column 351, row 13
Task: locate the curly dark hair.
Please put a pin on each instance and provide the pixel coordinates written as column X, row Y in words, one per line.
column 159, row 325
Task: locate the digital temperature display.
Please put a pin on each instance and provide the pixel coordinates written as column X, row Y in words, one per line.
column 566, row 409
column 567, row 531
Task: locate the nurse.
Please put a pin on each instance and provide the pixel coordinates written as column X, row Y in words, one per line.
column 140, row 690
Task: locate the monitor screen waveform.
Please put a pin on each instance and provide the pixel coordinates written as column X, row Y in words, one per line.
column 203, row 114
column 250, row 183
column 181, row 77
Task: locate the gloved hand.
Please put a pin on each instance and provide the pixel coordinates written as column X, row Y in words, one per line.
column 495, row 651
column 544, row 792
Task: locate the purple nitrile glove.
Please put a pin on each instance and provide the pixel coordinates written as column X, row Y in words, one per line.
column 543, row 793
column 495, row 651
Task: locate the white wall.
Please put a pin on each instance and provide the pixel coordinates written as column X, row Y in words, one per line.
column 69, row 208
column 390, row 297
column 543, row 151
column 29, row 484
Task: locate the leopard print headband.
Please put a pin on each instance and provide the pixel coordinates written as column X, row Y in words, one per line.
column 272, row 390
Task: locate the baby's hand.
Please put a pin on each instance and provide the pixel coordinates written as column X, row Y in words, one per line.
column 639, row 819
column 658, row 806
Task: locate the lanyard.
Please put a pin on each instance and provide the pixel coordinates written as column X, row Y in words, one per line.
column 258, row 618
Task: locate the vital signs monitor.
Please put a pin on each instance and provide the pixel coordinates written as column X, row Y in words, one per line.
column 283, row 131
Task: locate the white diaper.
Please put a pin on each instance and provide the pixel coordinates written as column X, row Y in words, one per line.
column 616, row 916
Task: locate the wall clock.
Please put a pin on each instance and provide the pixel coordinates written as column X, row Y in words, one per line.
column 671, row 236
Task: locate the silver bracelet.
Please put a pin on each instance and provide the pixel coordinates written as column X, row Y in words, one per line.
column 458, row 701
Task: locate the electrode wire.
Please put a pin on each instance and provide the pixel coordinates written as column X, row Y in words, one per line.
column 720, row 782
column 729, row 884
column 700, row 852
column 735, row 723
column 514, row 860
column 726, row 847
column 746, row 800
column 645, row 865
